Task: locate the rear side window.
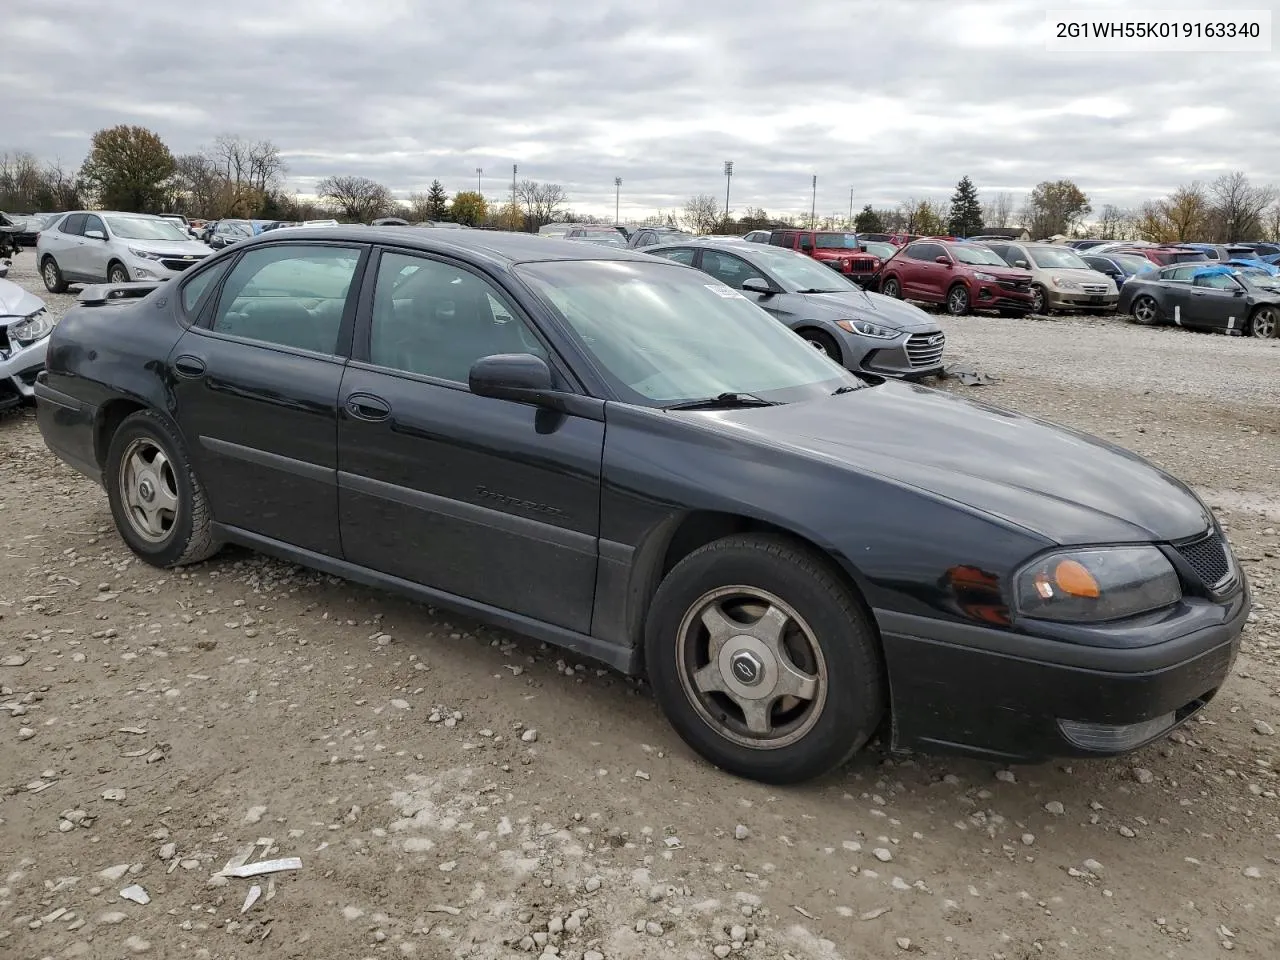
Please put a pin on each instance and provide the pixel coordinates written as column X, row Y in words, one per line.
column 288, row 295
column 73, row 225
column 195, row 289
column 806, row 241
column 779, row 239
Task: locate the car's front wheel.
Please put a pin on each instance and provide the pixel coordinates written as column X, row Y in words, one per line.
column 156, row 500
column 763, row 659
column 823, row 342
column 1039, row 299
column 117, row 273
column 52, row 276
column 958, row 300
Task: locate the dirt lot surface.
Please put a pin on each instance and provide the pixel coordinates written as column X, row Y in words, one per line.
column 452, row 791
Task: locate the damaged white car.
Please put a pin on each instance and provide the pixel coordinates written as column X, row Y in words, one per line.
column 25, row 325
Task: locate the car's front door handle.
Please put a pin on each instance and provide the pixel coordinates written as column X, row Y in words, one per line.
column 365, row 406
column 188, row 366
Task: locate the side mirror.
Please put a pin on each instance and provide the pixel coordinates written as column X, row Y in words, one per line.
column 521, row 377
column 95, row 235
column 1021, row 263
column 757, row 285
column 944, row 260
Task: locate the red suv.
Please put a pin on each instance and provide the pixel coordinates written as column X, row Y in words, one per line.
column 837, row 249
column 1166, row 255
column 961, row 276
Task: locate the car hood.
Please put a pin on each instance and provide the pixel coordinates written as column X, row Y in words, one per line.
column 16, row 303
column 170, row 248
column 1065, row 486
column 856, row 305
column 1074, row 273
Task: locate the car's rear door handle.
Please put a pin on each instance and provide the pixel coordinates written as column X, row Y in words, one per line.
column 188, row 366
column 365, row 406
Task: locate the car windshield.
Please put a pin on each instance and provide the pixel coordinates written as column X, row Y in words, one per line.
column 796, row 271
column 1056, row 258
column 878, row 248
column 145, row 228
column 839, row 241
column 611, row 237
column 238, row 228
column 975, row 255
column 662, row 334
column 1131, row 262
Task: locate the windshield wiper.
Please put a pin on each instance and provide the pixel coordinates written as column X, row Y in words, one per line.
column 847, row 388
column 820, row 290
column 723, row 400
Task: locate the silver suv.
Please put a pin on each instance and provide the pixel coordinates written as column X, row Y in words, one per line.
column 97, row 246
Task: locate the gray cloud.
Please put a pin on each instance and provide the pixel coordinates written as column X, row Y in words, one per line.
column 891, row 99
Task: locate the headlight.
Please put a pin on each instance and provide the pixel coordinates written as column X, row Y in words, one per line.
column 986, row 277
column 868, row 329
column 145, row 254
column 36, row 327
column 1062, row 283
column 1102, row 583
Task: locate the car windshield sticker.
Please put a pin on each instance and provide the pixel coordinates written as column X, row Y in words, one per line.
column 720, row 290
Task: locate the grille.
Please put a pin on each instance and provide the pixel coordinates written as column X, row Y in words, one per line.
column 921, row 352
column 1016, row 284
column 1208, row 558
column 177, row 263
column 1095, row 288
column 862, row 265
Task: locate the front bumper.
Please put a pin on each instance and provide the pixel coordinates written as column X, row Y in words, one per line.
column 1013, row 697
column 994, row 296
column 1078, row 300
column 166, row 269
column 19, row 367
column 910, row 356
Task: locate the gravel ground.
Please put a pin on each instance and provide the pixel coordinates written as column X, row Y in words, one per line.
column 453, row 791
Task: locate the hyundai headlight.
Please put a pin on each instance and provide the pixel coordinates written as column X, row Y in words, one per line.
column 986, row 277
column 1096, row 584
column 36, row 327
column 1062, row 283
column 145, row 254
column 868, row 329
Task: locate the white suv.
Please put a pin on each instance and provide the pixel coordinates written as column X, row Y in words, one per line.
column 99, row 246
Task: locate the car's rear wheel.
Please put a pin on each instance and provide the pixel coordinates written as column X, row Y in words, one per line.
column 763, row 659
column 1265, row 323
column 890, row 287
column 958, row 300
column 1145, row 311
column 116, row 273
column 823, row 342
column 156, row 500
column 1039, row 299
column 52, row 276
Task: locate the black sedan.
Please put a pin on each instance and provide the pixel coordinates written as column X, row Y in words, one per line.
column 620, row 455
column 1206, row 297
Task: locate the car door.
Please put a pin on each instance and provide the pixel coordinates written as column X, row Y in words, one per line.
column 66, row 250
column 1215, row 301
column 491, row 500
column 255, row 389
column 1175, row 291
column 95, row 251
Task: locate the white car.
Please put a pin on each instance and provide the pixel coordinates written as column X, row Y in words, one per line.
column 96, row 246
column 25, row 326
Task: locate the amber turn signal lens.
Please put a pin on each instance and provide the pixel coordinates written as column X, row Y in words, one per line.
column 1074, row 580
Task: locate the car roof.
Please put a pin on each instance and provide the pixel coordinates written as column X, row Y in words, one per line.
column 495, row 245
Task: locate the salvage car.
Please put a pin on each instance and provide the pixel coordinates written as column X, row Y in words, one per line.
column 25, row 325
column 93, row 246
column 1216, row 297
column 960, row 276
column 862, row 331
column 619, row 455
column 1060, row 279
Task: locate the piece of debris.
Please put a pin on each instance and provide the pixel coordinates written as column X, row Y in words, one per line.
column 740, row 832
column 803, row 912
column 875, row 914
column 441, row 908
column 969, row 377
column 529, row 736
column 113, row 796
column 15, row 660
column 263, row 866
column 136, row 894
column 251, row 898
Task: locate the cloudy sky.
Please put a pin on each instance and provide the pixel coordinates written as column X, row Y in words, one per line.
column 890, row 99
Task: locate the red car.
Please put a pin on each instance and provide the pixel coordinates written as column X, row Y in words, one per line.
column 961, row 276
column 1166, row 255
column 839, row 250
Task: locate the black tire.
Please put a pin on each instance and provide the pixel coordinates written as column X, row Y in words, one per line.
column 117, row 273
column 1040, row 303
column 824, row 342
column 957, row 302
column 890, row 287
column 1264, row 324
column 52, row 276
column 189, row 535
column 1146, row 312
column 854, row 696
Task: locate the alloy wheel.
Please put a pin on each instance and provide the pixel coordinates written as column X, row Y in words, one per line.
column 958, row 301
column 1144, row 310
column 1266, row 323
column 752, row 667
column 118, row 275
column 148, row 490
column 1037, row 300
column 50, row 274
column 890, row 288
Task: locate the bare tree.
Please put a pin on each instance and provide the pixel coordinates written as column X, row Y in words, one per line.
column 198, row 186
column 420, row 207
column 1273, row 222
column 998, row 211
column 541, row 201
column 358, row 198
column 1237, row 206
column 20, row 181
column 701, row 213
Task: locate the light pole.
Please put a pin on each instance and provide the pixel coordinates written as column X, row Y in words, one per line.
column 479, row 174
column 851, row 208
column 514, row 209
column 813, row 208
column 728, row 178
column 617, row 199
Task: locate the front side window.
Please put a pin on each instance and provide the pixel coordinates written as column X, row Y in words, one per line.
column 800, row 274
column 94, row 223
column 1216, row 281
column 437, row 320
column 679, row 255
column 661, row 335
column 288, row 295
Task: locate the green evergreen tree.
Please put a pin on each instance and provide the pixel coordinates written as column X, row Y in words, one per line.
column 437, row 202
column 868, row 221
column 966, row 210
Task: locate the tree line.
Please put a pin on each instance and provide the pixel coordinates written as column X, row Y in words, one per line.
column 131, row 168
